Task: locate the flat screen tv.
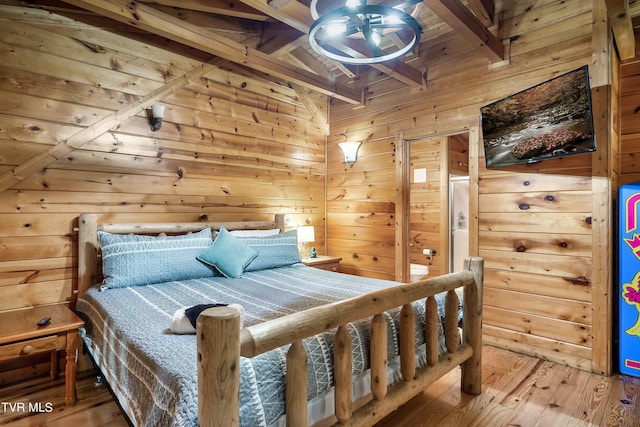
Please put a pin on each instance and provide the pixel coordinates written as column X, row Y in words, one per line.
column 551, row 119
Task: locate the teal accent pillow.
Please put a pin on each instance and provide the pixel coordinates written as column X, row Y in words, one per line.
column 135, row 260
column 280, row 250
column 228, row 254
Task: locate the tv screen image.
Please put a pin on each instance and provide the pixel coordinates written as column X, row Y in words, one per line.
column 551, row 119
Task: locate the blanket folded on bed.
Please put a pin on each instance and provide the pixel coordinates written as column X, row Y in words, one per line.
column 184, row 319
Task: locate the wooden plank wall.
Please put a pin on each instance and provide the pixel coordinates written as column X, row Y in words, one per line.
column 534, row 221
column 630, row 125
column 232, row 146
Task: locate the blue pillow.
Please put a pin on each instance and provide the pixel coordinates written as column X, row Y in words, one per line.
column 228, row 254
column 280, row 250
column 134, row 260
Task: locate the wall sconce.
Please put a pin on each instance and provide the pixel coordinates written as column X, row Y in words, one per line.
column 306, row 234
column 350, row 150
column 157, row 114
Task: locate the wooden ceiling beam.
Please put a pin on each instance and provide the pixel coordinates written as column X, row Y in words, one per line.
column 298, row 16
column 319, row 117
column 217, row 23
column 234, row 8
column 290, row 43
column 395, row 69
column 154, row 21
column 277, row 36
column 308, row 61
column 294, row 14
column 465, row 23
column 484, row 11
column 618, row 12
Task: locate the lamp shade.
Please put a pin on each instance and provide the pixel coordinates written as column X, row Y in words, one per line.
column 157, row 111
column 350, row 151
column 306, row 234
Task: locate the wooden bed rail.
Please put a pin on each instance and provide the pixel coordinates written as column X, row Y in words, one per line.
column 268, row 335
column 221, row 343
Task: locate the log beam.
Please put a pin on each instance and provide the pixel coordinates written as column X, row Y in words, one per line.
column 463, row 21
column 618, row 12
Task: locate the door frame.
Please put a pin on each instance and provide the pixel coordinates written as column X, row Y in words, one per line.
column 402, row 199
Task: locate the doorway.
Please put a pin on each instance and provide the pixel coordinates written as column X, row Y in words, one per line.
column 428, row 175
column 428, row 169
column 458, row 233
column 458, row 221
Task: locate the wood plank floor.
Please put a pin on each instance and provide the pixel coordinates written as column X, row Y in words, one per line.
column 517, row 391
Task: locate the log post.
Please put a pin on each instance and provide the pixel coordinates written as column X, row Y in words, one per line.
column 431, row 330
column 342, row 374
column 378, row 356
column 218, row 340
column 407, row 342
column 451, row 321
column 87, row 254
column 471, row 381
column 296, row 383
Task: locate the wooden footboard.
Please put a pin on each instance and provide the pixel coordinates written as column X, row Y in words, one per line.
column 221, row 343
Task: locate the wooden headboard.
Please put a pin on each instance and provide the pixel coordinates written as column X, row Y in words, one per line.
column 89, row 248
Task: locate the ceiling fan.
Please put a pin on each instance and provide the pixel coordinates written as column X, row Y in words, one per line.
column 355, row 32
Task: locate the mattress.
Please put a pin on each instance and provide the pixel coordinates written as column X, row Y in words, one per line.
column 153, row 373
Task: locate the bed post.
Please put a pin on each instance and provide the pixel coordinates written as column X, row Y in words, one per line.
column 87, row 252
column 218, row 340
column 279, row 219
column 472, row 327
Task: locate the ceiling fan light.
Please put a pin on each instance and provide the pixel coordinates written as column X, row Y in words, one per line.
column 391, row 20
column 336, row 28
column 368, row 23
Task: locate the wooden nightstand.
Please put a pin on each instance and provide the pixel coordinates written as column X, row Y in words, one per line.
column 21, row 337
column 323, row 262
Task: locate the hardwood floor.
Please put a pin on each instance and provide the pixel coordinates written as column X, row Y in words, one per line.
column 523, row 391
column 95, row 406
column 517, row 391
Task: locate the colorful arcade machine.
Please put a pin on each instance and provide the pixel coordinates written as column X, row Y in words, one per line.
column 629, row 279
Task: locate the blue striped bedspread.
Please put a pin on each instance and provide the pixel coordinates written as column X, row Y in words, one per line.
column 154, row 373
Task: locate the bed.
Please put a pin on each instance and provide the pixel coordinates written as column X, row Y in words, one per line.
column 288, row 345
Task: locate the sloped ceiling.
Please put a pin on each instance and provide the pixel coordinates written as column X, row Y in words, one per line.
column 270, row 37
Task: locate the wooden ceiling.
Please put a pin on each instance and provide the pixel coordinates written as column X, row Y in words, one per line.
column 269, row 37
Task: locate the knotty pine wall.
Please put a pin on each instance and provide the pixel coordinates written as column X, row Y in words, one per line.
column 630, row 125
column 546, row 293
column 232, row 147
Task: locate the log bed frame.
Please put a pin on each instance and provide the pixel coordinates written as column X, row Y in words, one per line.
column 219, row 365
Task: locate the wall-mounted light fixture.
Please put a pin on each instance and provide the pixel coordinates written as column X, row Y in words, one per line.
column 350, row 151
column 157, row 114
